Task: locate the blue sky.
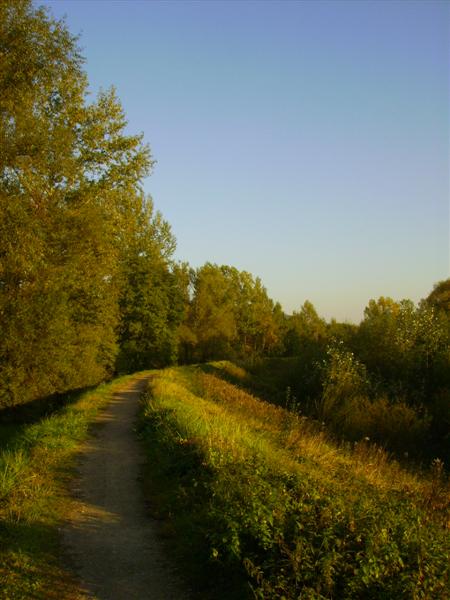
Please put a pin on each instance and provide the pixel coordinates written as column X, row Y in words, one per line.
column 305, row 142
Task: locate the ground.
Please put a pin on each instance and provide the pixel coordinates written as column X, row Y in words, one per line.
column 110, row 540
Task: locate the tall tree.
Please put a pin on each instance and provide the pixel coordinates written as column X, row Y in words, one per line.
column 211, row 314
column 230, row 315
column 67, row 177
column 305, row 330
column 152, row 300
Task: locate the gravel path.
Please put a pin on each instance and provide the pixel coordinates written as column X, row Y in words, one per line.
column 110, row 540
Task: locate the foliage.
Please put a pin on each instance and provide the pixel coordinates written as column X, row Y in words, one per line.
column 387, row 379
column 72, row 218
column 406, row 351
column 305, row 330
column 152, row 299
column 230, row 314
column 439, row 297
column 344, row 379
column 394, row 425
column 405, row 347
column 261, row 490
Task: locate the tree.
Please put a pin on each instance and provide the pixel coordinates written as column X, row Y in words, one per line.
column 257, row 331
column 152, row 303
column 68, row 176
column 230, row 315
column 212, row 317
column 305, row 330
column 439, row 297
column 375, row 341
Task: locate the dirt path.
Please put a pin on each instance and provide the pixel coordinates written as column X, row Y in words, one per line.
column 110, row 540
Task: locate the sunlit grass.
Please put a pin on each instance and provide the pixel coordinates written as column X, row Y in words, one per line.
column 301, row 514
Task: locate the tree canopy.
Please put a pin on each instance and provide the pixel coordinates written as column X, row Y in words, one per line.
column 71, row 212
column 229, row 315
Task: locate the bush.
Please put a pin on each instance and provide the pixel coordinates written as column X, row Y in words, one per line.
column 344, row 379
column 392, row 424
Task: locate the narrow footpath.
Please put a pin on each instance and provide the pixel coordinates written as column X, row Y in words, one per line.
column 110, row 540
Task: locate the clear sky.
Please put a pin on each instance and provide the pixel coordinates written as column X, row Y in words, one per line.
column 305, row 142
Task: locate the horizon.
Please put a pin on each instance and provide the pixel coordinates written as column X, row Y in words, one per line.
column 306, row 143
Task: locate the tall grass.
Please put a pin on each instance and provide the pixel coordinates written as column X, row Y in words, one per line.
column 35, row 461
column 267, row 495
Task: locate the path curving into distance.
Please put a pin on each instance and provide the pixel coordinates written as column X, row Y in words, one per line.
column 110, row 540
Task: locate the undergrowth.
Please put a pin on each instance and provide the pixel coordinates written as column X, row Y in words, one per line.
column 259, row 494
column 35, row 461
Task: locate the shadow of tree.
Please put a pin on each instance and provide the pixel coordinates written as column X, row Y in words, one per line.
column 14, row 419
column 28, row 567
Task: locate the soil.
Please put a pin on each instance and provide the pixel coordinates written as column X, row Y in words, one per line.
column 110, row 540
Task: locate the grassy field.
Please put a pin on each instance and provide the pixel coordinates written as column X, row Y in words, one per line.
column 262, row 504
column 37, row 448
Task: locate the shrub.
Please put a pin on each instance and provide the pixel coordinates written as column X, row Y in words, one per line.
column 392, row 424
column 344, row 378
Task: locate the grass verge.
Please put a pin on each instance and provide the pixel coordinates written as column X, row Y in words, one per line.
column 35, row 464
column 263, row 504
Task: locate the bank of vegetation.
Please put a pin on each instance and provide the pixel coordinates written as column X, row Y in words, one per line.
column 257, row 493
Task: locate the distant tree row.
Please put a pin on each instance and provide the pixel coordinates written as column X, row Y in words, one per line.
column 386, row 379
column 229, row 315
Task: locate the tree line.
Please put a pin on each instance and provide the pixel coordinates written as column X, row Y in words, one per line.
column 386, row 380
column 88, row 282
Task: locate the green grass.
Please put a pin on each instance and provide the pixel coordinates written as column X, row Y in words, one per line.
column 36, row 456
column 264, row 504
